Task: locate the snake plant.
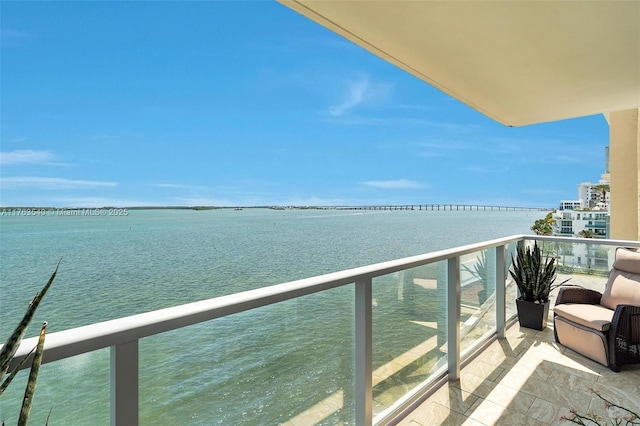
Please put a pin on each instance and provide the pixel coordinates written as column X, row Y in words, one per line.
column 13, row 343
column 534, row 274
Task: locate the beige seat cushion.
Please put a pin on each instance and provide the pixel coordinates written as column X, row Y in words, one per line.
column 582, row 340
column 623, row 285
column 596, row 317
column 623, row 288
column 627, row 259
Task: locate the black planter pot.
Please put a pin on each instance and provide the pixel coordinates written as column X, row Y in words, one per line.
column 532, row 315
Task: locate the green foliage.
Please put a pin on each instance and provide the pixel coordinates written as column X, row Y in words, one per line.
column 33, row 378
column 603, row 188
column 565, row 249
column 480, row 268
column 544, row 226
column 481, row 272
column 586, row 233
column 534, row 274
column 13, row 343
column 573, row 270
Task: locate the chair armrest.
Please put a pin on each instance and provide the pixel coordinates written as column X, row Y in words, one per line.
column 578, row 295
column 624, row 337
column 625, row 323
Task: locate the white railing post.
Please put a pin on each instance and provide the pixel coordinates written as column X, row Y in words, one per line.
column 453, row 317
column 364, row 353
column 520, row 245
column 501, row 291
column 124, row 384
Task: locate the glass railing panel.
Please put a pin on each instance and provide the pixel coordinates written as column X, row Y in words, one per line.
column 72, row 391
column 287, row 362
column 511, row 290
column 409, row 331
column 477, row 297
column 586, row 264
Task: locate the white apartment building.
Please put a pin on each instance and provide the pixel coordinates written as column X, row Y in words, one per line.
column 569, row 223
column 570, row 205
column 589, row 212
column 591, row 196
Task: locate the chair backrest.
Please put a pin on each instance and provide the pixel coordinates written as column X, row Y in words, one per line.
column 623, row 285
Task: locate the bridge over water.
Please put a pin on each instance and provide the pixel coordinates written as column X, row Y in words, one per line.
column 451, row 207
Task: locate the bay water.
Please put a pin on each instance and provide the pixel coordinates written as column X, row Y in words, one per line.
column 265, row 366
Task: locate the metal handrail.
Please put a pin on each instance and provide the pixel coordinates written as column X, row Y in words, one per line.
column 88, row 338
column 122, row 335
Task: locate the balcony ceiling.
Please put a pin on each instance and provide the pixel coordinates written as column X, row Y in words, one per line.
column 517, row 62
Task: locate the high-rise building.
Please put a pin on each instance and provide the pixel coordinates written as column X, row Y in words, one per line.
column 589, row 213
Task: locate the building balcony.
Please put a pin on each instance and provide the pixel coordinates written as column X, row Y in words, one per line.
column 430, row 339
column 596, row 226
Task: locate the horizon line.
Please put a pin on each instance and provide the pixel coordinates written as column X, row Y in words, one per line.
column 271, row 206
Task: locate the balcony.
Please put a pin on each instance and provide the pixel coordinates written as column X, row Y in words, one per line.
column 596, row 226
column 422, row 338
column 526, row 378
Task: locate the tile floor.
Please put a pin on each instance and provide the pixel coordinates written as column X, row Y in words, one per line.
column 527, row 379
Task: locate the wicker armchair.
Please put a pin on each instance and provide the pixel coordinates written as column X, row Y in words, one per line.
column 604, row 326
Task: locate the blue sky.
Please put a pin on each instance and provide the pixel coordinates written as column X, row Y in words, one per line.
column 249, row 103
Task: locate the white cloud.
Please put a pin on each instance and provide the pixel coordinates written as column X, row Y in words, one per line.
column 204, row 201
column 451, row 145
column 392, row 184
column 481, row 169
column 49, row 183
column 542, row 191
column 98, row 202
column 359, row 92
column 10, row 37
column 18, row 140
column 27, row 156
column 358, row 120
column 563, row 159
column 311, row 201
column 170, row 185
column 187, row 187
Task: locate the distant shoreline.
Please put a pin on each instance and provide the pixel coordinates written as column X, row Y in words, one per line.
column 440, row 206
column 161, row 208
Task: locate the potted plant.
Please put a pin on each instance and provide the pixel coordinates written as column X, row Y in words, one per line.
column 534, row 275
